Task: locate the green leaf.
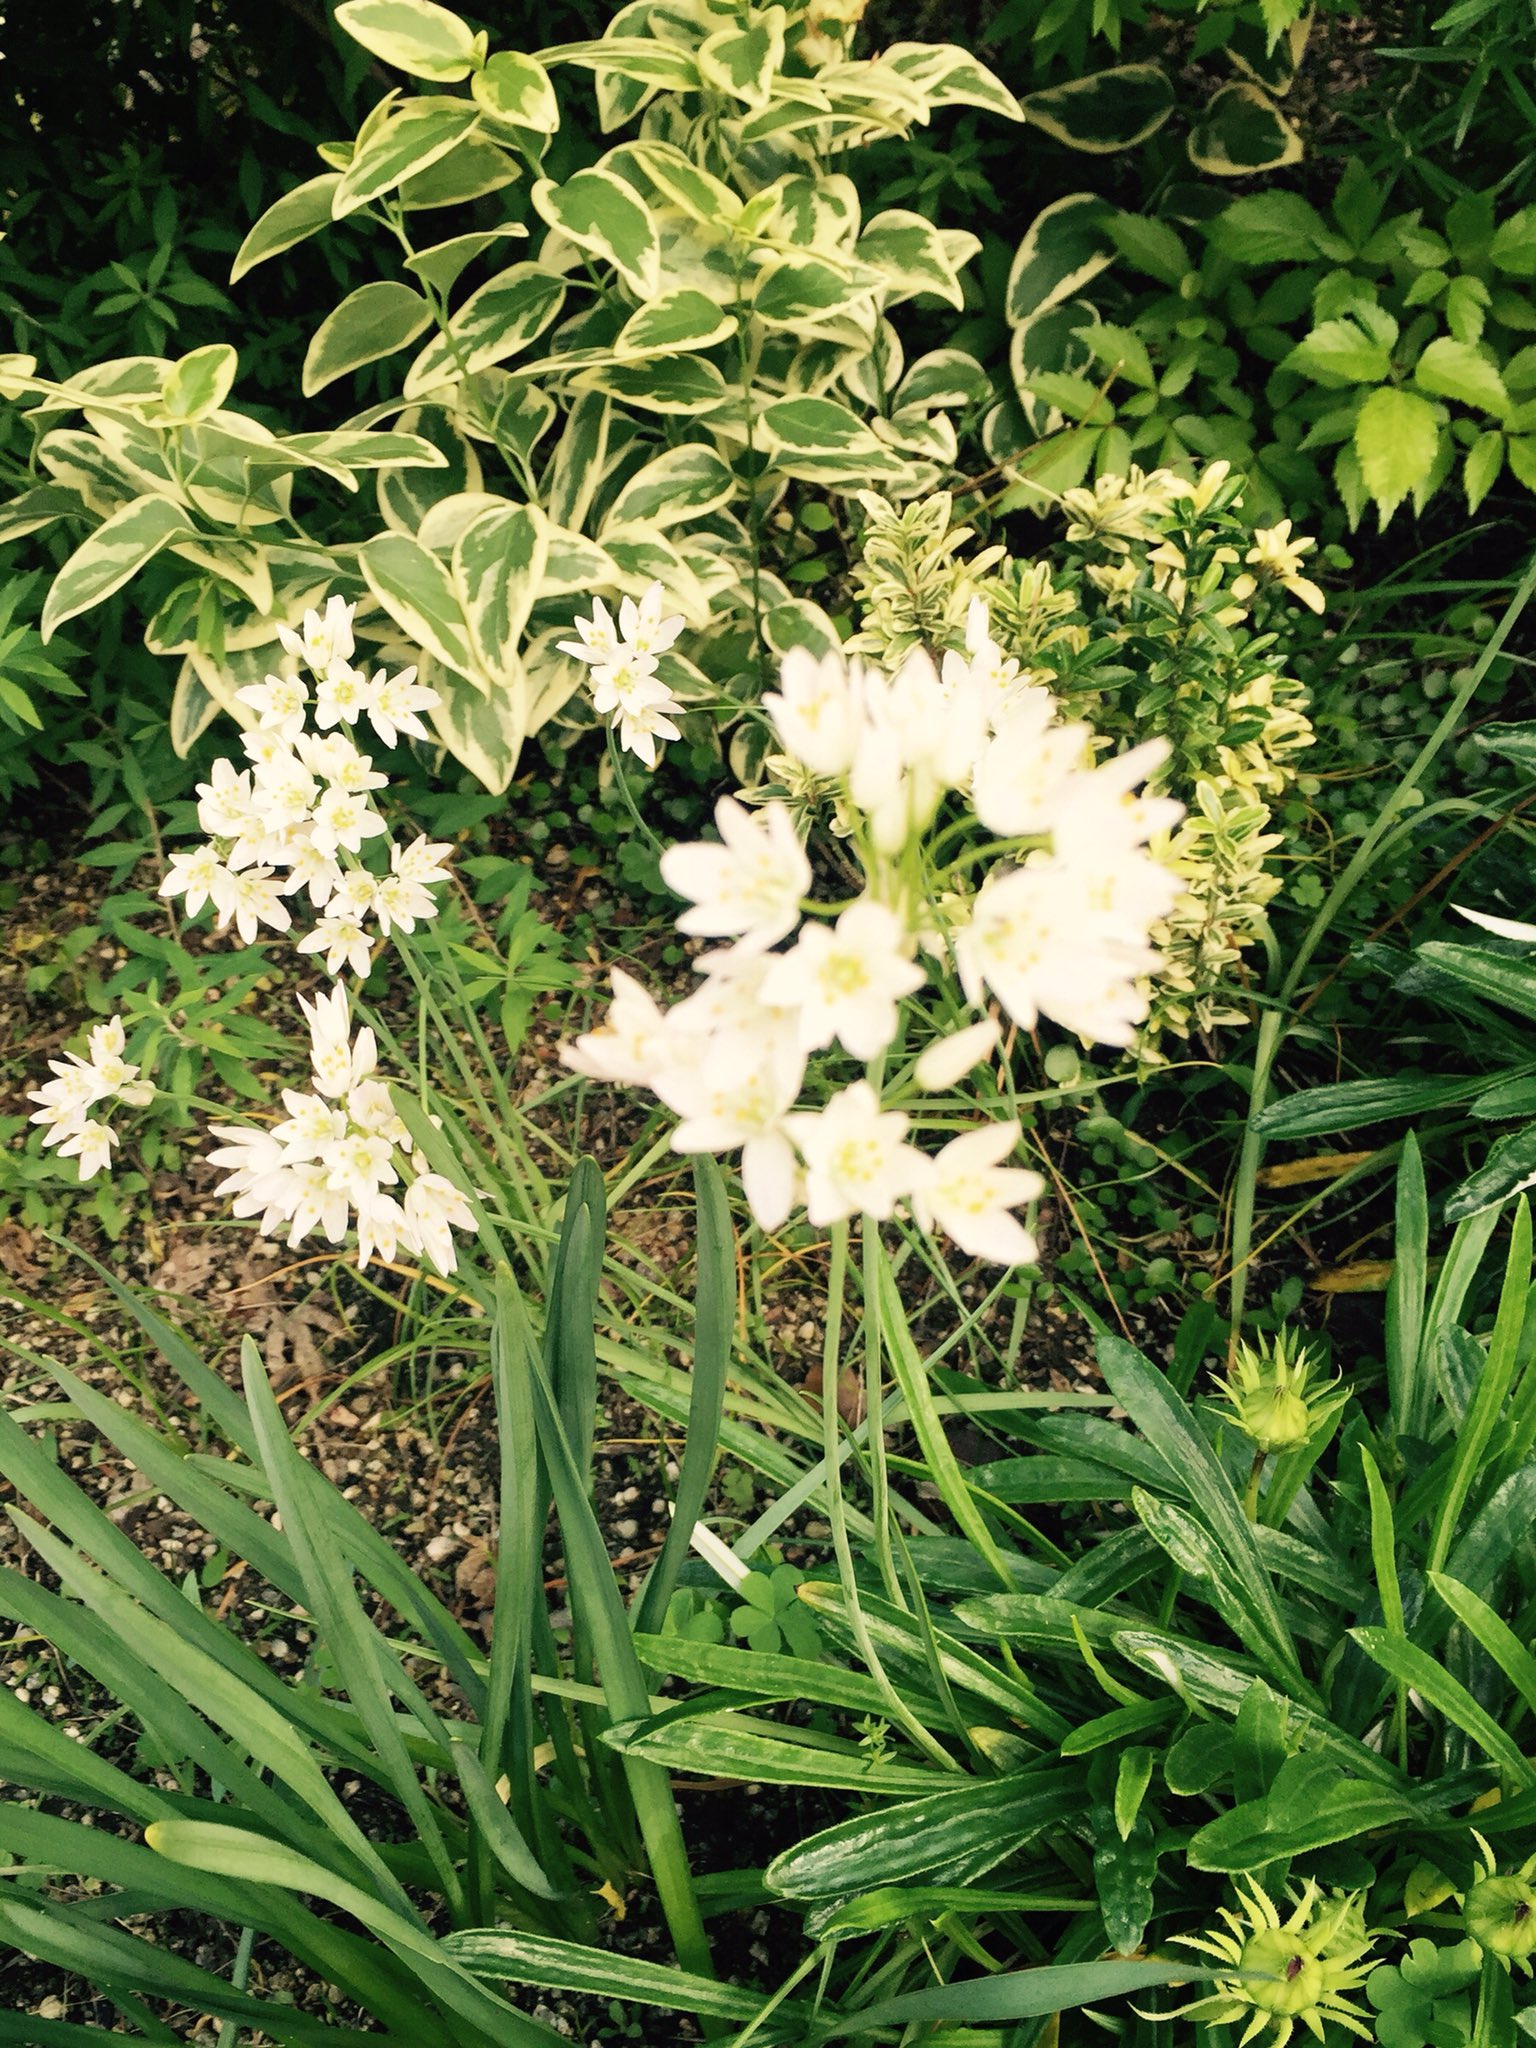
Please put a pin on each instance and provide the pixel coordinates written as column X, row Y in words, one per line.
column 1513, row 249
column 599, row 213
column 515, row 88
column 1416, row 1669
column 1150, row 246
column 1063, row 250
column 444, row 263
column 713, row 1330
column 678, row 320
column 911, row 254
column 499, row 320
column 683, row 483
column 374, row 321
column 1485, row 458
column 1501, row 978
column 1521, row 450
column 287, row 222
column 498, row 565
column 973, row 1825
column 107, row 558
column 200, row 382
column 732, row 1746
column 742, row 61
column 1455, row 369
column 672, row 384
column 39, row 507
column 411, row 138
column 418, row 593
column 1016, row 1995
column 950, row 76
column 415, row 36
column 1397, row 436
column 1122, row 352
column 1337, row 352
column 1270, row 227
column 1241, row 132
column 1194, row 1473
column 237, row 1852
column 1311, row 1805
column 1105, row 111
column 1342, row 1105
column 504, row 1956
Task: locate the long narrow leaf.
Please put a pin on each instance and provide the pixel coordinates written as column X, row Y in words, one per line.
column 714, row 1321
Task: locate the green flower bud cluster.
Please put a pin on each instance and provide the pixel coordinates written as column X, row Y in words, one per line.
column 1276, row 1395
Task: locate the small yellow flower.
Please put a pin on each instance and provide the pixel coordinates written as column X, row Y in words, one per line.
column 1286, row 1973
column 1278, row 559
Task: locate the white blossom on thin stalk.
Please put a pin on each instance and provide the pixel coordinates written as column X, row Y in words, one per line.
column 70, row 1106
column 623, row 659
column 301, row 818
column 856, row 1158
column 969, row 1193
column 748, row 887
column 341, row 1157
column 845, row 981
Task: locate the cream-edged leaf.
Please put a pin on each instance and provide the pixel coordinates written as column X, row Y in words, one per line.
column 107, row 558
column 287, row 221
column 416, row 36
column 516, row 89
column 604, row 216
column 414, row 137
column 374, row 321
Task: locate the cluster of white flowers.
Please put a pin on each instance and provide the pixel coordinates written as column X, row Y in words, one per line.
column 333, row 1161
column 623, row 658
column 300, row 815
column 83, row 1086
column 1057, row 927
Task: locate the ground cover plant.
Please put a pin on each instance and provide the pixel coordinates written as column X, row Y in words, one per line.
column 768, row 1274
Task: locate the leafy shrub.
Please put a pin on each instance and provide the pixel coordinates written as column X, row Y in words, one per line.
column 712, row 322
column 1394, row 349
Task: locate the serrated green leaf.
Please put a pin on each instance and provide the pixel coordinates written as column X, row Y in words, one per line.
column 1397, row 437
column 1338, row 352
column 1456, row 369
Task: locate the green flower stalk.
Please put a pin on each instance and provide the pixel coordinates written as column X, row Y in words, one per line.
column 1288, row 1973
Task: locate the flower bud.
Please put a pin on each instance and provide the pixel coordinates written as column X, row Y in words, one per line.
column 1275, row 1396
column 1500, row 1916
